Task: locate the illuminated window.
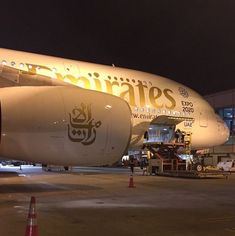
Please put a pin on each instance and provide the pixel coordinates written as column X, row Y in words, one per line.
column 4, row 62
column 54, row 69
column 21, row 65
column 228, row 112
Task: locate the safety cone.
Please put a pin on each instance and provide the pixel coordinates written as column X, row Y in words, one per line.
column 131, row 182
column 32, row 228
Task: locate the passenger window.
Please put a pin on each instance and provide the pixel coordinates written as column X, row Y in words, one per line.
column 4, row 62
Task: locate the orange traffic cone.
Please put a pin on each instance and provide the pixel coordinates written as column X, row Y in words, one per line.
column 131, row 182
column 32, row 228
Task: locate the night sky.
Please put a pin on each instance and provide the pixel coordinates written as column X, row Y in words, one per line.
column 192, row 42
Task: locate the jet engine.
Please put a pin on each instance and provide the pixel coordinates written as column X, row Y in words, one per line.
column 63, row 125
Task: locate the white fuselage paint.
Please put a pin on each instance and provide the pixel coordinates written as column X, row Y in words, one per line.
column 149, row 96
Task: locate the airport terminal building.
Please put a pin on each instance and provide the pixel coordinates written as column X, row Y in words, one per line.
column 224, row 105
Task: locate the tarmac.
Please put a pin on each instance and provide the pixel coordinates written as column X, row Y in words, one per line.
column 97, row 201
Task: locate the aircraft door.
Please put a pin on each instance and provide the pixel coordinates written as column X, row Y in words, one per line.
column 203, row 120
column 160, row 133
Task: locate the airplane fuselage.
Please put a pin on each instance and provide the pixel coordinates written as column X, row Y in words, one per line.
column 149, row 96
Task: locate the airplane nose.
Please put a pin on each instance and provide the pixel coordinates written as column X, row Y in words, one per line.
column 223, row 130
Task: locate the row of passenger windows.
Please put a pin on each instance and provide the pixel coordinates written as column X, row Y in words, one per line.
column 22, row 65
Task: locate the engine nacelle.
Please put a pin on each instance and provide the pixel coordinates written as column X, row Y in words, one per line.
column 63, row 125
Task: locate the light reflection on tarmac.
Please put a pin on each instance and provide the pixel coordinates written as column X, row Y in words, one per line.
column 98, row 201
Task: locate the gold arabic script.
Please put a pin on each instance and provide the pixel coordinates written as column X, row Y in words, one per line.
column 81, row 127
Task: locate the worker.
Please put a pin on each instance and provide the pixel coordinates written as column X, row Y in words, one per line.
column 131, row 163
column 144, row 165
column 146, row 136
column 182, row 136
column 177, row 136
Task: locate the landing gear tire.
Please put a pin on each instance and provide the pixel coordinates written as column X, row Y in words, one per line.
column 199, row 167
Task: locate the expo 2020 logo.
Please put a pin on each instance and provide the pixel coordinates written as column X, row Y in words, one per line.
column 183, row 92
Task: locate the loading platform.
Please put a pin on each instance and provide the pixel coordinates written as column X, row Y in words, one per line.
column 165, row 161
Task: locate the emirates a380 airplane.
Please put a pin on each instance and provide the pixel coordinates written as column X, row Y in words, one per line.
column 66, row 112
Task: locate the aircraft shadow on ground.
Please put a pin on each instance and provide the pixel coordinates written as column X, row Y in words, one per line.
column 7, row 174
column 40, row 188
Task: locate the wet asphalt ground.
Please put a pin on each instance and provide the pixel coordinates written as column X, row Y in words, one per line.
column 98, row 201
